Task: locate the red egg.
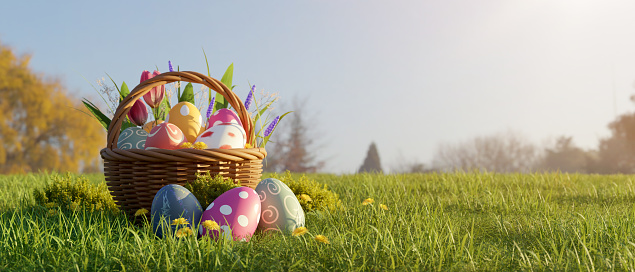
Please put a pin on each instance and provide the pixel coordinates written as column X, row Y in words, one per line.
column 236, row 211
column 223, row 116
column 165, row 136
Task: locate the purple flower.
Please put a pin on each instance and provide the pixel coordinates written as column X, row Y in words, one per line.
column 248, row 101
column 272, row 126
column 170, row 65
column 210, row 108
column 138, row 113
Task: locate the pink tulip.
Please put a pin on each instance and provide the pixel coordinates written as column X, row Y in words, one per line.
column 154, row 97
column 138, row 114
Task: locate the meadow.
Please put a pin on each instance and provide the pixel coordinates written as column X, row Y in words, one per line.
column 449, row 222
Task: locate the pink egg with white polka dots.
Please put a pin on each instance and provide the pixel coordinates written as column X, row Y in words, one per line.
column 222, row 116
column 236, row 211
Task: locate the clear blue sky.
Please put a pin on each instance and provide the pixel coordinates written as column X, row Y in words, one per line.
column 405, row 74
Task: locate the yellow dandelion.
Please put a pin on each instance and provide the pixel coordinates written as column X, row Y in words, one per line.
column 183, row 232
column 306, row 198
column 179, row 221
column 50, row 205
column 52, row 212
column 383, row 206
column 186, row 145
column 200, row 145
column 368, row 201
column 300, row 231
column 322, row 238
column 248, row 145
column 140, row 212
column 74, row 206
column 211, row 225
column 98, row 206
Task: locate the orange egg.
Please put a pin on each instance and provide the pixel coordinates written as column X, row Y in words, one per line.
column 148, row 127
column 188, row 118
column 165, row 136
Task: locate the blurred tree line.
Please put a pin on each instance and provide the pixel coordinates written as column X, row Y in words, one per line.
column 510, row 152
column 41, row 127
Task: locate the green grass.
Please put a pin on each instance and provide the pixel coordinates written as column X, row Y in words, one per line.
column 455, row 222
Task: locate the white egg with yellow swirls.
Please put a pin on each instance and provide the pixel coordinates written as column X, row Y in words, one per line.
column 280, row 209
column 132, row 138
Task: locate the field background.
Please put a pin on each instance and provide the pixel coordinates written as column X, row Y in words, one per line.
column 457, row 221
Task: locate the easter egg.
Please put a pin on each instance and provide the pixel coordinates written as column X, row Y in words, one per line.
column 165, row 136
column 280, row 209
column 171, row 202
column 224, row 136
column 132, row 138
column 236, row 211
column 188, row 118
column 222, row 116
column 148, row 126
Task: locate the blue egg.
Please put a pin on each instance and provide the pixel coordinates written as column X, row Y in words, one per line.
column 171, row 202
column 132, row 138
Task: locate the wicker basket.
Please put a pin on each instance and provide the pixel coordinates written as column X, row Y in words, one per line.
column 135, row 175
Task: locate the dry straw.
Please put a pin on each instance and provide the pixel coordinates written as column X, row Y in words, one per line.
column 135, row 175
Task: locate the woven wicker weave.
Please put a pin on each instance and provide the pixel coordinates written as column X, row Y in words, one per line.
column 135, row 175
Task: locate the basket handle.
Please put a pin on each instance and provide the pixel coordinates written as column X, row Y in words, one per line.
column 169, row 77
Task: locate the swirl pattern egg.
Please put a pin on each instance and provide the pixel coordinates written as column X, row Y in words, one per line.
column 280, row 209
column 132, row 138
column 188, row 118
column 165, row 136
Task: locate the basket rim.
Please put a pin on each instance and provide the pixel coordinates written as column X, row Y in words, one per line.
column 184, row 155
column 166, row 78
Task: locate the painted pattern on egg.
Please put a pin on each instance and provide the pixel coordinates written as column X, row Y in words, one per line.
column 165, row 136
column 132, row 138
column 280, row 209
column 224, row 136
column 236, row 211
column 187, row 118
column 222, row 116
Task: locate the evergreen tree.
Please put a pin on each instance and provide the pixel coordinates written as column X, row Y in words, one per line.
column 372, row 162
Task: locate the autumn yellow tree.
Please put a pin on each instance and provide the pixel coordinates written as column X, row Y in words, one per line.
column 41, row 127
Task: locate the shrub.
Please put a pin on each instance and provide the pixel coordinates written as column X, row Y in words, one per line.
column 207, row 188
column 70, row 192
column 320, row 197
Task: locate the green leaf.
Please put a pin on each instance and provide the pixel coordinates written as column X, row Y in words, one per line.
column 123, row 92
column 99, row 116
column 126, row 124
column 188, row 94
column 221, row 103
column 266, row 139
column 262, row 111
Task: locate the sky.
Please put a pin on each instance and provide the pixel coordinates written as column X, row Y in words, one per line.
column 407, row 75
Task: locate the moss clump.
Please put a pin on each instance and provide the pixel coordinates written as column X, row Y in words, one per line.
column 319, row 196
column 70, row 192
column 207, row 188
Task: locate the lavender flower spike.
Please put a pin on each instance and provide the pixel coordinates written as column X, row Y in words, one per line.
column 170, row 66
column 248, row 101
column 210, row 107
column 272, row 126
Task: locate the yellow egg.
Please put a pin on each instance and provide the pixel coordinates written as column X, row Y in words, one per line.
column 147, row 127
column 186, row 117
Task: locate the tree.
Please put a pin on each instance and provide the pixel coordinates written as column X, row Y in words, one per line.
column 616, row 154
column 372, row 162
column 40, row 127
column 292, row 148
column 503, row 152
column 565, row 157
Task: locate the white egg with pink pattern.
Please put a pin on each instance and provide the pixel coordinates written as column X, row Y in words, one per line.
column 224, row 136
column 236, row 211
